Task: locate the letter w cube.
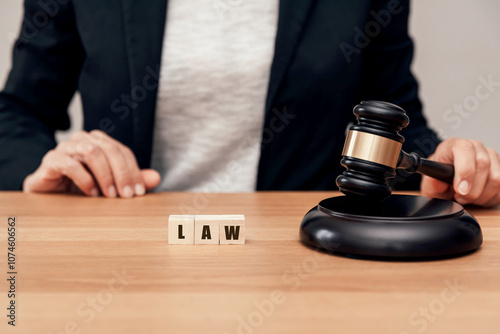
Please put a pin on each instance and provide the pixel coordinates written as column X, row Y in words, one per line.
column 232, row 230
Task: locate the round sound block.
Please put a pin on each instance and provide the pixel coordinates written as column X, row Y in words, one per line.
column 402, row 226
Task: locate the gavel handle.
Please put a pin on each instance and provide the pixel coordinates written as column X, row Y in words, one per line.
column 437, row 170
column 414, row 163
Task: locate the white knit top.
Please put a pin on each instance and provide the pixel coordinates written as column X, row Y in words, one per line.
column 214, row 77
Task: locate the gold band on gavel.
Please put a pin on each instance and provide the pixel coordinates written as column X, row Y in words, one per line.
column 370, row 147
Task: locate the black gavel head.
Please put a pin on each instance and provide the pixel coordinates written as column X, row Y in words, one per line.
column 372, row 150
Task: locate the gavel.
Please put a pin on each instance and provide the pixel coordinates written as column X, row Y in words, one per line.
column 372, row 153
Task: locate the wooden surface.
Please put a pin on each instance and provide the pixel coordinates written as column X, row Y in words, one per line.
column 71, row 249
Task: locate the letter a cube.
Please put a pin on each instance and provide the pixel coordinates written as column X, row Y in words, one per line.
column 206, row 229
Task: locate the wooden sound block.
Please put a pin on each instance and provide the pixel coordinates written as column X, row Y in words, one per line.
column 232, row 230
column 402, row 226
column 206, row 229
column 181, row 229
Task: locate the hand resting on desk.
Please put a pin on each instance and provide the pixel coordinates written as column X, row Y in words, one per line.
column 93, row 163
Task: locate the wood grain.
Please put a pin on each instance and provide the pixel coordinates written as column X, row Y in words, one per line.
column 95, row 265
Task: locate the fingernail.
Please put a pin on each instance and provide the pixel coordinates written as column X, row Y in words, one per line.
column 139, row 189
column 463, row 188
column 112, row 191
column 94, row 192
column 128, row 192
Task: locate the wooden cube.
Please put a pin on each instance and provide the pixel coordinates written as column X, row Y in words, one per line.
column 232, row 230
column 206, row 229
column 181, row 229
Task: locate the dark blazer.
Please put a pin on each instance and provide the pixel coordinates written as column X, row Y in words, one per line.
column 329, row 55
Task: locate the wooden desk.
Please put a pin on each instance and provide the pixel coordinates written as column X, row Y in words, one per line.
column 88, row 265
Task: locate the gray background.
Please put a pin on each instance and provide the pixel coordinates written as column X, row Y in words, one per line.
column 457, row 44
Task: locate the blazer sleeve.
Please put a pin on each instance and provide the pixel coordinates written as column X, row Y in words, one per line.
column 47, row 59
column 387, row 76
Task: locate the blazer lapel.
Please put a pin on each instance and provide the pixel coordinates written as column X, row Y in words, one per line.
column 144, row 26
column 293, row 15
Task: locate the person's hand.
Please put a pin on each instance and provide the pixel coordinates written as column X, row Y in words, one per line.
column 94, row 164
column 477, row 173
